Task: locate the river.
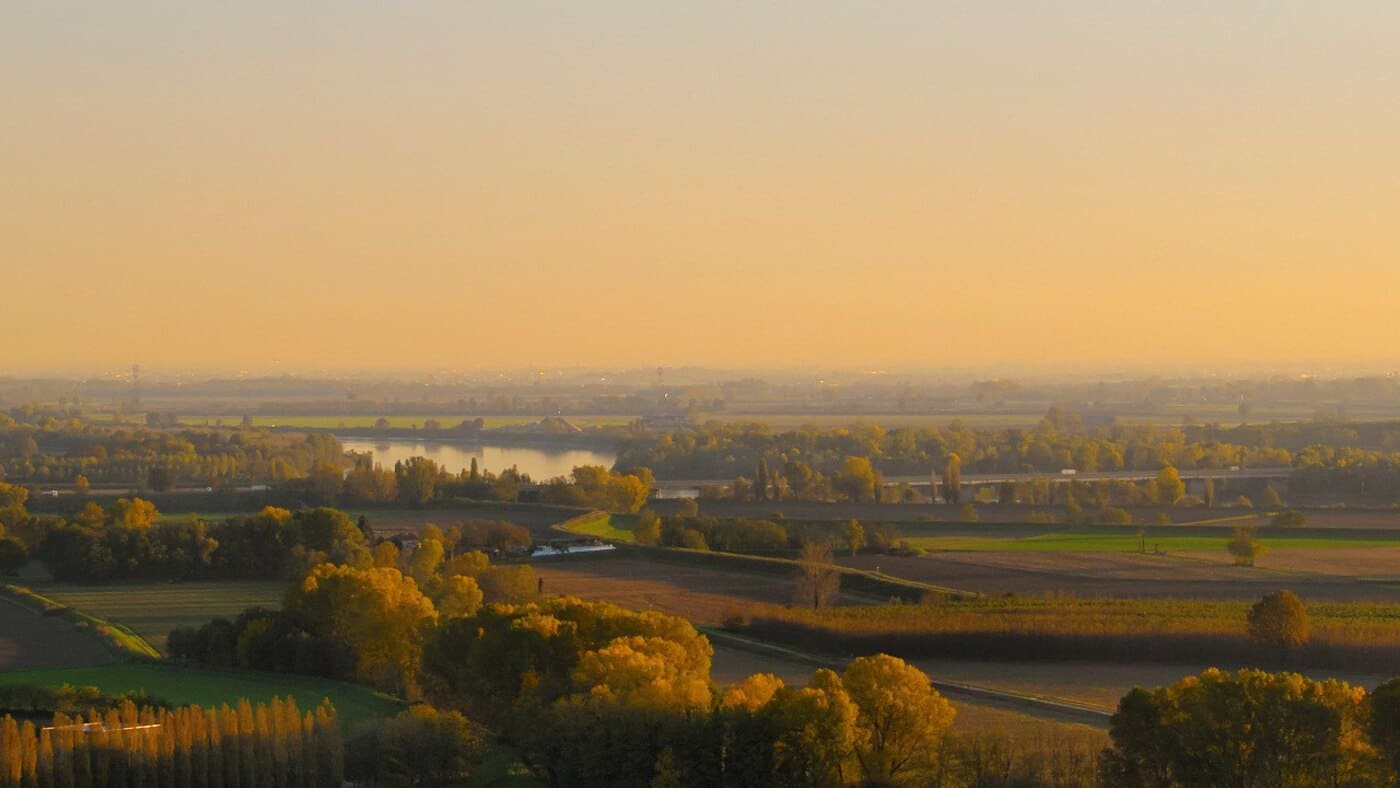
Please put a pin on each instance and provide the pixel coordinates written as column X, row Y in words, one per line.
column 539, row 464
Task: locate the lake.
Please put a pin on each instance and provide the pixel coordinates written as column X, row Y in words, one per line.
column 540, row 464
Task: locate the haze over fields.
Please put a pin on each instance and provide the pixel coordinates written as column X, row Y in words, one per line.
column 446, row 185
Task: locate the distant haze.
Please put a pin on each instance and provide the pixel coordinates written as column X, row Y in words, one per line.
column 915, row 184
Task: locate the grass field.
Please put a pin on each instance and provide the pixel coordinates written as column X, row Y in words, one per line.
column 204, row 687
column 609, row 526
column 152, row 610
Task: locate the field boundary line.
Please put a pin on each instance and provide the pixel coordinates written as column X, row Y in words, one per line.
column 1031, row 703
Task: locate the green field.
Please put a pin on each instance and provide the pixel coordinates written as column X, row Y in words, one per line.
column 153, row 609
column 183, row 685
column 612, row 526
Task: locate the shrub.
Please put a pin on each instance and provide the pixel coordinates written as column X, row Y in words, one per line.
column 1280, row 620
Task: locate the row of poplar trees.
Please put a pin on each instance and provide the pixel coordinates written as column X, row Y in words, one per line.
column 272, row 744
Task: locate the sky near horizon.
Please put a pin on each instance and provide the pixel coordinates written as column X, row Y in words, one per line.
column 470, row 184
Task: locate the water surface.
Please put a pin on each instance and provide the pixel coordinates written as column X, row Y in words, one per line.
column 539, row 464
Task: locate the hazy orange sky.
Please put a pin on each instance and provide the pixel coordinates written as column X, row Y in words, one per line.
column 467, row 184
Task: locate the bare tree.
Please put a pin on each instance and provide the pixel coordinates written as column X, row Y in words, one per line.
column 818, row 579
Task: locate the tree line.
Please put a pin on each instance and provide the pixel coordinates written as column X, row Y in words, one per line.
column 240, row 746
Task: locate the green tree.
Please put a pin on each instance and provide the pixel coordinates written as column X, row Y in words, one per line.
column 904, row 719
column 856, row 481
column 161, row 478
column 1279, row 620
column 1384, row 725
column 417, row 480
column 324, row 482
column 13, row 556
column 648, row 528
column 420, row 746
column 761, row 480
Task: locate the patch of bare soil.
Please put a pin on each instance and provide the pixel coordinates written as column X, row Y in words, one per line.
column 703, row 595
column 1343, row 562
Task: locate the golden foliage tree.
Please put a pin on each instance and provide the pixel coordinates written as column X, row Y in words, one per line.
column 903, row 717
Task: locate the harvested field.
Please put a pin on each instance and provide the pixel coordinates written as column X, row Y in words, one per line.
column 1123, row 575
column 942, row 513
column 153, row 609
column 1097, row 683
column 702, row 594
column 1376, row 562
column 30, row 641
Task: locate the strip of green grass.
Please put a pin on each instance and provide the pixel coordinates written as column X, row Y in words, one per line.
column 189, row 686
column 604, row 526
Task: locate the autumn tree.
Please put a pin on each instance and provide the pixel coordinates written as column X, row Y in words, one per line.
column 1244, row 547
column 818, row 579
column 952, row 479
column 457, row 596
column 1280, row 621
column 856, row 480
column 854, row 535
column 1248, row 728
column 1169, row 486
column 902, row 716
column 134, row 513
column 386, row 554
column 648, row 528
column 425, row 562
column 81, row 485
column 378, row 614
